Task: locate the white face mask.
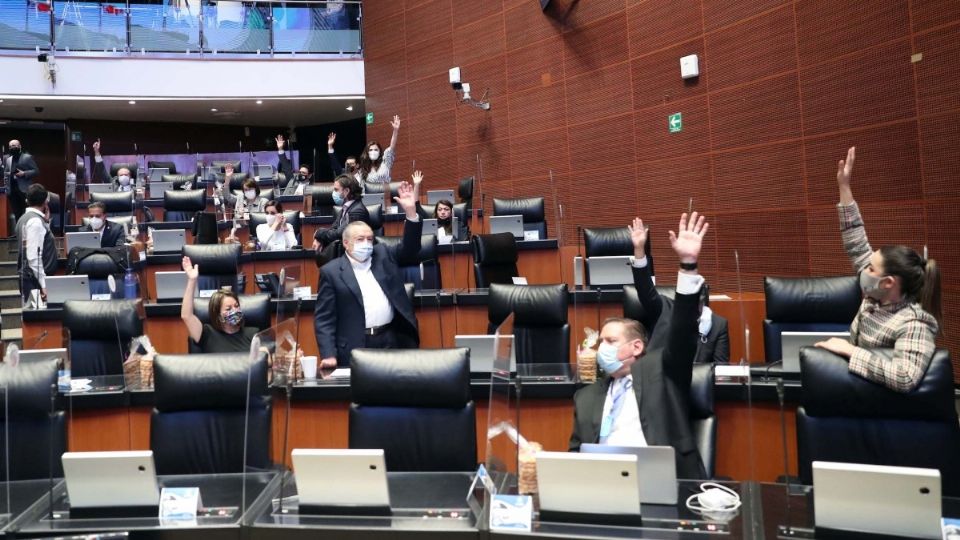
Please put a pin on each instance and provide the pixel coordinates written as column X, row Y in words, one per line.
column 96, row 223
column 271, row 219
column 362, row 251
column 124, row 180
column 374, row 155
column 71, row 177
column 249, row 194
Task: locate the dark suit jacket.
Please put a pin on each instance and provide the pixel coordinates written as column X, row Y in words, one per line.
column 101, row 176
column 661, row 383
column 26, row 164
column 112, row 234
column 355, row 212
column 285, row 166
column 338, row 316
column 715, row 348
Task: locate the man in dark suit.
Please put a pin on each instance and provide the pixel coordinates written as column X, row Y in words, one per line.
column 361, row 300
column 111, row 234
column 348, row 195
column 713, row 345
column 123, row 181
column 20, row 169
column 656, row 411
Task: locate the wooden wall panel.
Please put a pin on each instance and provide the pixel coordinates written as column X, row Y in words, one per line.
column 786, row 86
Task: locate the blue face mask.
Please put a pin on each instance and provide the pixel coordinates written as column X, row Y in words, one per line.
column 337, row 198
column 607, row 358
column 362, row 251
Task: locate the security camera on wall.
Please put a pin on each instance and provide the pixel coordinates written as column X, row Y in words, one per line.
column 463, row 91
column 455, row 78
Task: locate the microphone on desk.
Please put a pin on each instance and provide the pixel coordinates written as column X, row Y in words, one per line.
column 51, row 435
column 288, row 390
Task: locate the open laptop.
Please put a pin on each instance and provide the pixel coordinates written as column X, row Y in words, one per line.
column 100, row 188
column 344, row 479
column 610, row 271
column 170, row 285
column 436, row 195
column 156, row 174
column 42, row 355
column 598, row 488
column 111, row 479
column 63, row 288
column 430, row 227
column 656, row 470
column 370, row 199
column 82, row 239
column 511, row 224
column 157, row 189
column 169, row 241
column 878, row 499
column 482, row 353
column 264, row 172
column 792, row 342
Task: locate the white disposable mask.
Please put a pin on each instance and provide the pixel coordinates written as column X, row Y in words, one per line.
column 362, row 251
column 124, row 180
column 374, row 155
column 249, row 194
column 96, row 223
column 71, row 177
column 271, row 219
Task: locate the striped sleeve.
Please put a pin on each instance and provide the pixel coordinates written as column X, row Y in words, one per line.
column 854, row 235
column 912, row 353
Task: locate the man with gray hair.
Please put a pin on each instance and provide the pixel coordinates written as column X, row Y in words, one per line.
column 361, row 299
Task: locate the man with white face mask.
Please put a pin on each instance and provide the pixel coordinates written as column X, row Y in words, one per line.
column 124, row 181
column 361, row 300
column 111, row 234
column 643, row 398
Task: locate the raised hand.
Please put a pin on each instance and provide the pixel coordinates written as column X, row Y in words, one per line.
column 192, row 270
column 417, row 177
column 96, row 147
column 638, row 235
column 395, row 123
column 331, row 138
column 845, row 167
column 406, row 200
column 280, row 142
column 689, row 240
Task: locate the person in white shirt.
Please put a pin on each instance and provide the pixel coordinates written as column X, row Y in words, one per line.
column 276, row 234
column 643, row 398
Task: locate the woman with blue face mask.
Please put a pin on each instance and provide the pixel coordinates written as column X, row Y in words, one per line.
column 901, row 308
column 347, row 194
column 226, row 331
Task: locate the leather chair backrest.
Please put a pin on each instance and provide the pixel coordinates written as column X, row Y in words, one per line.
column 259, row 218
column 132, row 167
column 465, row 190
column 540, row 328
column 494, row 258
column 376, row 218
column 256, row 314
column 378, row 187
column 322, row 197
column 116, row 202
column 531, row 208
column 462, row 212
column 703, row 418
column 427, row 258
column 821, row 304
column 56, row 214
column 846, row 418
column 178, row 180
column 203, row 410
column 219, row 264
column 179, row 205
column 34, row 431
column 164, row 165
column 633, row 309
column 609, row 242
column 220, row 164
column 100, row 332
column 100, row 265
column 416, row 405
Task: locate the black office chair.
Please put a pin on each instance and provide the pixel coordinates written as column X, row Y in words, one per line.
column 34, row 429
column 322, row 199
column 178, row 180
column 203, row 413
column 100, row 265
column 182, row 205
column 821, row 304
column 256, row 314
column 843, row 417
column 220, row 164
column 292, row 217
column 540, row 328
column 465, row 192
column 609, row 242
column 378, row 187
column 132, row 167
column 415, row 404
column 100, row 334
column 164, row 165
column 531, row 208
column 236, row 180
column 117, row 203
column 219, row 265
column 703, row 417
column 56, row 214
column 494, row 259
column 376, row 218
column 427, row 257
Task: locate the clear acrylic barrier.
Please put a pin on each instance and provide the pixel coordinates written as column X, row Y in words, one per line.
column 24, row 26
column 503, row 419
column 241, row 27
column 90, row 26
column 171, row 27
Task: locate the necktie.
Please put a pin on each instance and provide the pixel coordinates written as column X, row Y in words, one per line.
column 621, row 391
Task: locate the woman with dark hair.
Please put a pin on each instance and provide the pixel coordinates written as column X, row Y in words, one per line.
column 226, row 331
column 251, row 201
column 374, row 163
column 276, row 234
column 901, row 307
column 442, row 211
column 347, row 194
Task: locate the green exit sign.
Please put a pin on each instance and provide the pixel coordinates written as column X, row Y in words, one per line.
column 76, row 136
column 675, row 122
column 369, row 118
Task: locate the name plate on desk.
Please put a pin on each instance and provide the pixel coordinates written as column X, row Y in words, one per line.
column 180, row 504
column 531, row 235
column 518, row 280
column 302, row 293
column 207, row 293
column 511, row 513
column 103, row 296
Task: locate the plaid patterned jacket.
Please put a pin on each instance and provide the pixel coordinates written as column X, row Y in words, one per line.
column 903, row 326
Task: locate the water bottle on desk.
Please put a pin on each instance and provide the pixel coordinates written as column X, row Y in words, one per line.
column 129, row 284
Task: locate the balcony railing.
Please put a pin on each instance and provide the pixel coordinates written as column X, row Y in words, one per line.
column 182, row 26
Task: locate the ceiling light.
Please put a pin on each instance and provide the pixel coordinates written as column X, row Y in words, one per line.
column 349, row 107
column 213, row 110
column 259, row 102
column 132, row 102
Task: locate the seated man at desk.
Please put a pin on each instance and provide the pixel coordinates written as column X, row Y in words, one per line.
column 111, row 234
column 347, row 194
column 361, row 299
column 644, row 397
column 276, row 234
column 714, row 343
column 298, row 184
column 122, row 182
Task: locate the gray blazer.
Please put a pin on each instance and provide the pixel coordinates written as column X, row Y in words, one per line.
column 25, row 164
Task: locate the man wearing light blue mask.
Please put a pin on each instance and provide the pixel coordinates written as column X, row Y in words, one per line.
column 347, row 194
column 361, row 299
column 643, row 398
